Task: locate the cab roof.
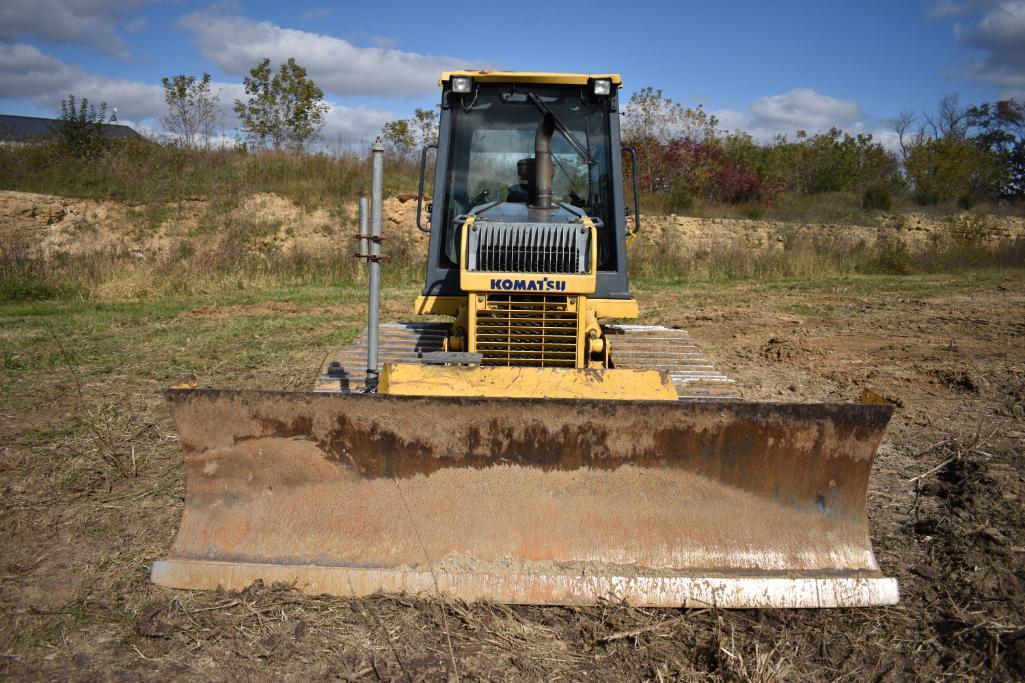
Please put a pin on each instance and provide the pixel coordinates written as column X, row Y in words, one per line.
column 491, row 76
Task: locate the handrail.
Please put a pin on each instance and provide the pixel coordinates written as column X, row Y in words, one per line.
column 637, row 199
column 420, row 192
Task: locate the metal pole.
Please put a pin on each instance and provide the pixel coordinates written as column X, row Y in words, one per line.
column 364, row 228
column 374, row 307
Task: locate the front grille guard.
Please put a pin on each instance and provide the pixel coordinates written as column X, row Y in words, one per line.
column 526, row 330
column 559, row 248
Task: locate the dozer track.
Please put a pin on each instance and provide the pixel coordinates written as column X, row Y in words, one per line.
column 646, row 347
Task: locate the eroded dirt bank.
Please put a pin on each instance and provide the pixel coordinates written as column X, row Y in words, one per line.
column 269, row 223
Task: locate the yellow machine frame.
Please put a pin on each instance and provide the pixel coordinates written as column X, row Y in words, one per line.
column 538, row 77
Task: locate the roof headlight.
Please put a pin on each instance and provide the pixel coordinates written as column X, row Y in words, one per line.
column 462, row 84
column 602, row 86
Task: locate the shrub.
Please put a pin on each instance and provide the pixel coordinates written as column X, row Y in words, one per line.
column 890, row 256
column 966, row 202
column 80, row 128
column 877, row 198
column 141, row 171
column 28, row 289
column 949, row 168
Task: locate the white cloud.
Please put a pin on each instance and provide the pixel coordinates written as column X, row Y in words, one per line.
column 236, row 44
column 28, row 73
column 133, row 99
column 730, row 119
column 799, row 109
column 804, row 108
column 996, row 29
column 25, row 71
column 1000, row 34
column 887, row 137
column 87, row 22
column 353, row 124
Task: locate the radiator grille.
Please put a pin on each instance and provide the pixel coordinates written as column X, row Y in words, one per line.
column 528, row 248
column 526, row 330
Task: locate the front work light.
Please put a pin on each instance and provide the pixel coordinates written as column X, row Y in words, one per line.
column 462, row 84
column 602, row 86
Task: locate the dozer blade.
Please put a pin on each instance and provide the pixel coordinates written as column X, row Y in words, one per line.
column 712, row 503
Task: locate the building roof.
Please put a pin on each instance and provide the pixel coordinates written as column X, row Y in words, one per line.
column 24, row 128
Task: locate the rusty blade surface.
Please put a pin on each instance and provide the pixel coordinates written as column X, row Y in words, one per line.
column 554, row 501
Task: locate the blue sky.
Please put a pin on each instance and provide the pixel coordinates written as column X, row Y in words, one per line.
column 760, row 66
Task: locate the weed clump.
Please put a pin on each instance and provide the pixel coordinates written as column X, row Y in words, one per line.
column 141, row 171
column 877, row 198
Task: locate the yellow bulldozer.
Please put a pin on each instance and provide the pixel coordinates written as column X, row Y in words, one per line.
column 528, row 448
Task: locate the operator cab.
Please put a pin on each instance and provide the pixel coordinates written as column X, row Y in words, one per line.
column 528, row 148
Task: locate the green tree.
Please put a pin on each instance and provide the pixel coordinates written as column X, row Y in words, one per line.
column 840, row 162
column 404, row 136
column 831, row 161
column 948, row 158
column 650, row 114
column 426, row 123
column 398, row 137
column 284, row 108
column 1000, row 128
column 192, row 111
column 80, row 127
column 950, row 168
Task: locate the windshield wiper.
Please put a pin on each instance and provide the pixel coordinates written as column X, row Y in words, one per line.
column 561, row 127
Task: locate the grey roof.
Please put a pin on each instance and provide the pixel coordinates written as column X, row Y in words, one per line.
column 22, row 128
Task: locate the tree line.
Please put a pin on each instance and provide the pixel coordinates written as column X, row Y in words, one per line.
column 963, row 154
column 957, row 154
column 283, row 108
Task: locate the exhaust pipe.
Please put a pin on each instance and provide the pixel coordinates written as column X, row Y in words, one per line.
column 544, row 169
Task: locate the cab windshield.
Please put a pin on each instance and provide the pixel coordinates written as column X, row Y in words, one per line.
column 492, row 142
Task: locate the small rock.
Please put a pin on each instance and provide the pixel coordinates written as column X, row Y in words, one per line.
column 994, row 535
column 300, row 630
column 926, row 572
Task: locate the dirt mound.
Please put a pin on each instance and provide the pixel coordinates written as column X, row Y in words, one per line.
column 264, row 223
column 778, row 350
column 959, row 380
column 916, row 232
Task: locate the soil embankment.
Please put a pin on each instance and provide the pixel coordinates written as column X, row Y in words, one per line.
column 269, row 223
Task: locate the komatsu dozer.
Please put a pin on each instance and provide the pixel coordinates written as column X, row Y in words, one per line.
column 526, row 445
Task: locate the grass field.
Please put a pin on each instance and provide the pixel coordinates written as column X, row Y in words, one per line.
column 92, row 489
column 168, row 271
column 103, row 304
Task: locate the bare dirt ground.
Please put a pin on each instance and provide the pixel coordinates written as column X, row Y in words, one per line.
column 91, row 492
column 91, row 483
